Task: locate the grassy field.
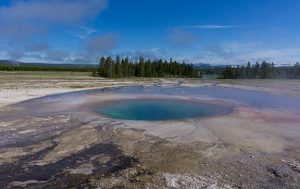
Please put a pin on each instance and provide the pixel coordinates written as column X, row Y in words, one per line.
column 4, row 75
column 22, row 85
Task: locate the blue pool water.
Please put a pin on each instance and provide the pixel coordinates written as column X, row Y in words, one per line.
column 161, row 109
column 139, row 109
column 257, row 99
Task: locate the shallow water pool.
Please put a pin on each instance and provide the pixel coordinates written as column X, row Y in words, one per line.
column 161, row 109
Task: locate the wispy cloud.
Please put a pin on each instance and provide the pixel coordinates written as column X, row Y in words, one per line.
column 81, row 31
column 238, row 45
column 213, row 26
column 285, row 55
column 38, row 47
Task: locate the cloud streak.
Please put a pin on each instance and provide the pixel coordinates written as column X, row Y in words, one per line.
column 81, row 31
column 213, row 26
column 238, row 45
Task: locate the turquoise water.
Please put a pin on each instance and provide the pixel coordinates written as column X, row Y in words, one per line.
column 160, row 109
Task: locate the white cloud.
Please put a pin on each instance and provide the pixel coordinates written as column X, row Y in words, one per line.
column 235, row 56
column 24, row 19
column 278, row 56
column 38, row 47
column 182, row 38
column 100, row 43
column 26, row 24
column 57, row 55
column 16, row 54
column 52, row 11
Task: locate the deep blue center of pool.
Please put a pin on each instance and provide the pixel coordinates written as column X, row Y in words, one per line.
column 160, row 109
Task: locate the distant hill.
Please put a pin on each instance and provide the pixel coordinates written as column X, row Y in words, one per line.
column 69, row 65
column 66, row 65
column 9, row 63
column 207, row 66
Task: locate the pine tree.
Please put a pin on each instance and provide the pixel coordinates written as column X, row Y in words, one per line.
column 248, row 71
column 117, row 67
column 102, row 67
column 109, row 67
column 141, row 67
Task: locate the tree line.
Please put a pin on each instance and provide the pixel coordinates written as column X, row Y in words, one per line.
column 262, row 70
column 123, row 67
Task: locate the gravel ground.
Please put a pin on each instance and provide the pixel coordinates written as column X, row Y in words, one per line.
column 57, row 145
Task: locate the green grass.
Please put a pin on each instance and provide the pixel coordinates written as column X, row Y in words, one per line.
column 77, row 86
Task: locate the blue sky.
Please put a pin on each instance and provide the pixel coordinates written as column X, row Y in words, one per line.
column 196, row 31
